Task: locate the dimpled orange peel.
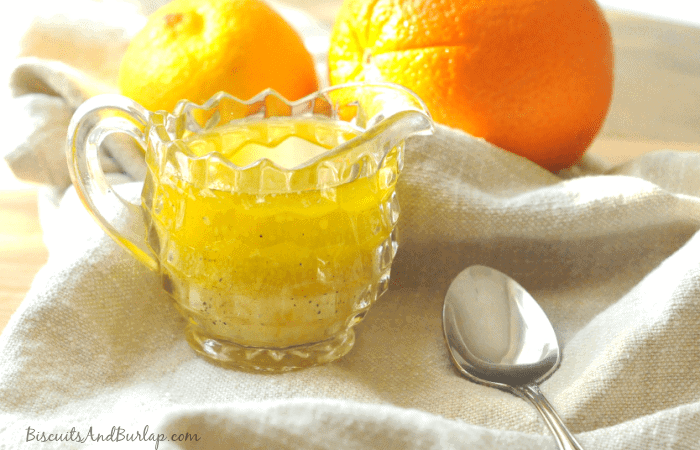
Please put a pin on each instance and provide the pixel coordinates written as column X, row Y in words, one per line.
column 534, row 77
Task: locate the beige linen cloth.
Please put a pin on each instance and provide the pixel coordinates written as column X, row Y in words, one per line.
column 612, row 255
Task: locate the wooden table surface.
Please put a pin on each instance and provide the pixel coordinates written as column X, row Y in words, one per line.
column 655, row 106
column 22, row 251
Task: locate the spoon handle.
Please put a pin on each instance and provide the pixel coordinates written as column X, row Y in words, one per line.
column 564, row 437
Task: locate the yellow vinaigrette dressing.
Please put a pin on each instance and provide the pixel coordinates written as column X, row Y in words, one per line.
column 281, row 269
column 270, row 223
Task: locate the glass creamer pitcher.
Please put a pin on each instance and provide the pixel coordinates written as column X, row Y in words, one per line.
column 271, row 223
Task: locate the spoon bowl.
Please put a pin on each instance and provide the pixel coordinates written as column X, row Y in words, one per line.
column 497, row 335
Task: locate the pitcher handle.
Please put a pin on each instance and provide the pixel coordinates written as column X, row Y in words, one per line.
column 92, row 122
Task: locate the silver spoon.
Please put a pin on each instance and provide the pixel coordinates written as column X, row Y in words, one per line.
column 499, row 336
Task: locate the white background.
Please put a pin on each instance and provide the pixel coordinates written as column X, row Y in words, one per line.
column 683, row 11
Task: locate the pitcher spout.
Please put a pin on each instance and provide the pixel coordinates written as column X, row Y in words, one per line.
column 383, row 108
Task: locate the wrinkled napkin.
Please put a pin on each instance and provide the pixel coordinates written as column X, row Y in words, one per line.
column 95, row 356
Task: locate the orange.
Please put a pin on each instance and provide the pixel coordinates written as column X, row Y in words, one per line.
column 531, row 76
column 192, row 49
